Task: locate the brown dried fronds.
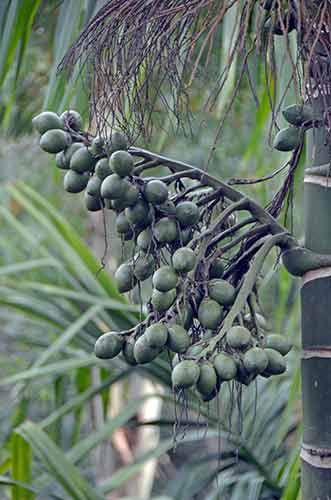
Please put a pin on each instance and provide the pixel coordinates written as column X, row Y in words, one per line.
column 138, row 52
column 143, row 56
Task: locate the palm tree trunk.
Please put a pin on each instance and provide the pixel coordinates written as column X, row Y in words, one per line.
column 316, row 320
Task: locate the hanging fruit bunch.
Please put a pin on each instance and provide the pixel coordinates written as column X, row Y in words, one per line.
column 191, row 240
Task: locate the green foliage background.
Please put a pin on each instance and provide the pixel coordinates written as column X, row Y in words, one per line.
column 54, row 303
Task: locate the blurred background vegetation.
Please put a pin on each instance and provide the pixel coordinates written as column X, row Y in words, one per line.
column 72, row 426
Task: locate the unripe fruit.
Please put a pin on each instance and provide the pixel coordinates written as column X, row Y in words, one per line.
column 279, row 343
column 125, row 277
column 60, row 161
column 216, row 269
column 47, row 120
column 128, row 352
column 113, row 187
column 210, row 314
column 165, row 278
column 145, row 241
column 185, row 235
column 138, row 213
column 156, row 192
column 287, row 139
column 187, row 213
column 108, row 345
column 129, row 198
column 93, row 186
column 186, row 318
column 225, row 367
column 178, row 339
column 276, row 363
column 55, row 140
column 161, row 301
column 102, row 169
column 298, row 114
column 184, row 260
column 185, row 374
column 144, row 266
column 63, row 158
column 255, row 360
column 212, row 395
column 207, row 379
column 221, row 291
column 73, row 119
column 118, row 141
column 156, row 335
column 122, row 224
column 121, row 162
column 82, row 161
column 97, row 146
column 92, row 203
column 74, row 182
column 165, row 230
column 143, row 353
column 131, row 195
column 238, row 337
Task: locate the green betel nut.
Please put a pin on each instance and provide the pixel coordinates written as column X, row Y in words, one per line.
column 92, row 203
column 143, row 353
column 108, row 345
column 161, row 301
column 102, row 169
column 165, row 278
column 255, row 360
column 225, row 367
column 185, row 374
column 121, row 162
column 125, row 277
column 279, row 343
column 156, row 192
column 238, row 337
column 156, row 335
column 74, row 182
column 210, row 314
column 221, row 291
column 216, row 269
column 287, row 139
column 276, row 363
column 207, row 380
column 183, row 260
column 82, row 161
column 113, row 187
column 47, row 121
column 143, row 266
column 165, row 230
column 187, row 213
column 73, row 119
column 55, row 140
column 178, row 339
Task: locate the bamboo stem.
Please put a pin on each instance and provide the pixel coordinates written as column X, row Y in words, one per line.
column 316, row 324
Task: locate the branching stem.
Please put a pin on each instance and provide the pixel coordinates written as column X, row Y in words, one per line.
column 247, row 287
column 208, row 180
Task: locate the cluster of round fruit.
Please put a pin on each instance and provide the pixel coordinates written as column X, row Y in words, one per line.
column 185, row 316
column 298, row 116
column 85, row 161
column 240, row 357
column 190, row 298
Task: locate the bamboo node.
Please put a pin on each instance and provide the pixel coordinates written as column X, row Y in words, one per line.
column 316, row 457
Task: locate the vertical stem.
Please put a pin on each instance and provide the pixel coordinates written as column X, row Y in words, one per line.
column 316, row 325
